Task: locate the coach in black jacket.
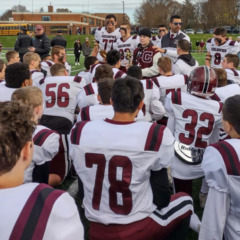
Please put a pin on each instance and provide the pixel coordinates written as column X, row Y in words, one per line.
column 59, row 40
column 41, row 43
column 23, row 42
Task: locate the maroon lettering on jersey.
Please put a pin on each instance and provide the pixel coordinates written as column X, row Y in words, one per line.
column 76, row 132
column 41, row 136
column 32, row 221
column 77, row 79
column 149, row 84
column 88, row 89
column 118, row 74
column 229, row 156
column 42, row 81
column 215, row 97
column 176, row 97
column 154, row 138
column 85, row 114
column 147, row 56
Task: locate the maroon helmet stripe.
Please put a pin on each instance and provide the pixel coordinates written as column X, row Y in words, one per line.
column 229, row 156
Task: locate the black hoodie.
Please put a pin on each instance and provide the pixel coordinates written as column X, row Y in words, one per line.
column 188, row 59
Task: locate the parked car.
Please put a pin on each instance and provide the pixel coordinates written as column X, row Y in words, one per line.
column 189, row 31
column 199, row 31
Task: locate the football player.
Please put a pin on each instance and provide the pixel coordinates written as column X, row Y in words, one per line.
column 185, row 62
column 46, row 141
column 59, row 55
column 126, row 45
column 145, row 56
column 153, row 109
column 162, row 30
column 88, row 95
column 16, row 75
column 31, row 210
column 122, row 165
column 221, row 166
column 105, row 36
column 114, row 60
column 195, row 122
column 218, row 47
column 33, row 61
column 230, row 63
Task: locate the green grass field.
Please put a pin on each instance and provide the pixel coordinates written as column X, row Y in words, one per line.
column 8, row 42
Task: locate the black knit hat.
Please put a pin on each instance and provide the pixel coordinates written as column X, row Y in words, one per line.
column 145, row 32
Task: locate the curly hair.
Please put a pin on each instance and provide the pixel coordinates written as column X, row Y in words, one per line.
column 16, row 129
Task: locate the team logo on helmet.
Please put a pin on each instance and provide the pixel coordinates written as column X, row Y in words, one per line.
column 202, row 81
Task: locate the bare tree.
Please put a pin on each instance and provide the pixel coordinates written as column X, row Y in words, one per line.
column 6, row 15
column 19, row 8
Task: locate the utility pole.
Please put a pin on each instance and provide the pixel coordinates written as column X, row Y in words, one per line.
column 123, row 12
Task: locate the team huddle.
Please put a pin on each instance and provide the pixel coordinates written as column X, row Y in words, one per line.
column 136, row 127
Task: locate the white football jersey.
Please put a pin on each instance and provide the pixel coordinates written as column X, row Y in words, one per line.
column 46, row 145
column 36, row 77
column 105, row 40
column 218, row 52
column 46, row 65
column 118, row 73
column 60, row 95
column 85, row 75
column 222, row 93
column 171, row 83
column 126, row 48
column 195, row 122
column 233, row 75
column 181, row 67
column 88, row 95
column 101, row 112
column 92, row 72
column 6, row 93
column 118, row 157
column 156, row 40
column 62, row 215
column 221, row 166
column 153, row 109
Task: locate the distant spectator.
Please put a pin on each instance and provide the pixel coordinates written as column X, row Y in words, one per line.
column 41, row 43
column 23, row 42
column 12, row 57
column 162, row 30
column 201, row 46
column 59, row 40
column 197, row 45
column 86, row 48
column 77, row 51
column 0, row 49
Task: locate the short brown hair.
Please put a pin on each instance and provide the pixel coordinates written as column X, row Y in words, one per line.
column 165, row 64
column 220, row 31
column 184, row 45
column 105, row 86
column 16, row 129
column 30, row 56
column 10, row 54
column 57, row 69
column 103, row 71
column 222, row 76
column 56, row 50
column 31, row 96
column 232, row 58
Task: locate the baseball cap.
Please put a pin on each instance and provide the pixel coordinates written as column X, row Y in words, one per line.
column 145, row 32
column 39, row 27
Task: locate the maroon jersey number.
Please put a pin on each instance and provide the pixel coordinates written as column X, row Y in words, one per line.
column 121, row 186
column 190, row 127
column 217, row 58
column 62, row 97
column 106, row 41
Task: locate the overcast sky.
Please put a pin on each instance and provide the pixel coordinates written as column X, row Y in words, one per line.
column 91, row 6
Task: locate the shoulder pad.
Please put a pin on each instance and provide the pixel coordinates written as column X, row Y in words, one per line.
column 209, row 40
column 134, row 37
column 232, row 43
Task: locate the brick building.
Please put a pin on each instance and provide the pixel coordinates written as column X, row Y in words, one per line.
column 68, row 22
